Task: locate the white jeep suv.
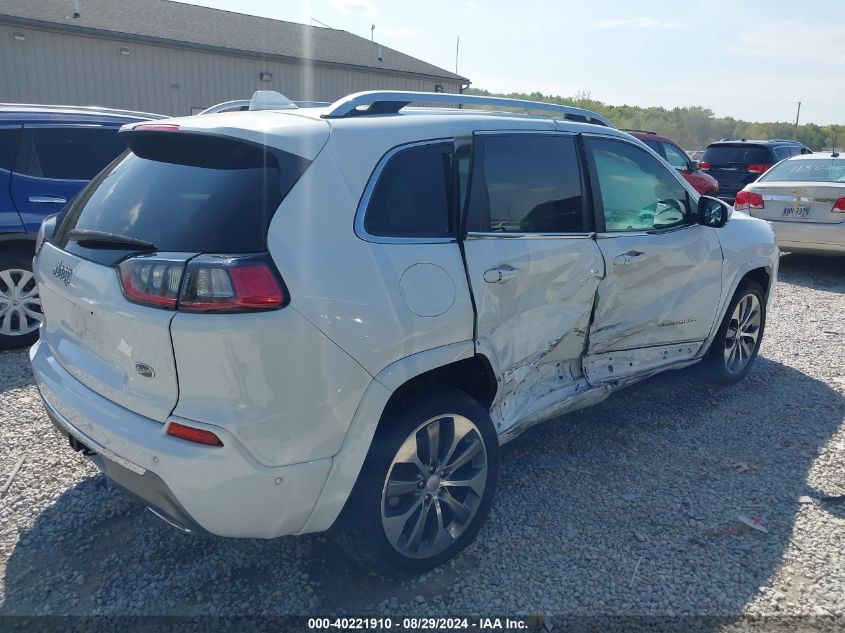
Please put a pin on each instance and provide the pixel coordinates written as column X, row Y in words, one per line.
column 277, row 322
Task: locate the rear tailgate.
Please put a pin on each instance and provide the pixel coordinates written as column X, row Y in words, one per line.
column 116, row 348
column 802, row 202
column 729, row 163
column 111, row 278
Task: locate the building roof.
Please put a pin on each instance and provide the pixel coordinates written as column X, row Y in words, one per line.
column 180, row 24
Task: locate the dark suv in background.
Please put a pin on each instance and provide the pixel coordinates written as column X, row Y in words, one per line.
column 738, row 162
column 691, row 171
column 47, row 154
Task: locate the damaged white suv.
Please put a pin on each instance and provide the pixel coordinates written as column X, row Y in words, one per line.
column 282, row 321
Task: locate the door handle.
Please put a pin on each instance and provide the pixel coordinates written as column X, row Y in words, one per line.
column 627, row 258
column 47, row 200
column 500, row 275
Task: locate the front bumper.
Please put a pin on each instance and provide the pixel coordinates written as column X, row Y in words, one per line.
column 801, row 237
column 221, row 490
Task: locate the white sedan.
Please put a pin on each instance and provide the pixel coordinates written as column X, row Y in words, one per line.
column 804, row 199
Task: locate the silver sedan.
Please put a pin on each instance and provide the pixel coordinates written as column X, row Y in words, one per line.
column 804, row 199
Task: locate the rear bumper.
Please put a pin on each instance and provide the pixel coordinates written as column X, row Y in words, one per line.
column 221, row 490
column 810, row 238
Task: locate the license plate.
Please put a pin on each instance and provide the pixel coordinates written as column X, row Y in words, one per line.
column 796, row 211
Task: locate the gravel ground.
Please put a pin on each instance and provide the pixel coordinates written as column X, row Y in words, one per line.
column 635, row 506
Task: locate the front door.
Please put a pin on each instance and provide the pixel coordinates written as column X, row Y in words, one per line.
column 658, row 300
column 533, row 266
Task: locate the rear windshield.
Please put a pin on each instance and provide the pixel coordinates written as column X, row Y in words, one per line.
column 186, row 193
column 813, row 170
column 737, row 155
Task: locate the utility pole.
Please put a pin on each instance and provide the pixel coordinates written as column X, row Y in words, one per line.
column 798, row 114
column 457, row 50
column 373, row 34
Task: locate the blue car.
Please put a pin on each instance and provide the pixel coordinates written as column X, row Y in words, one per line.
column 735, row 163
column 47, row 154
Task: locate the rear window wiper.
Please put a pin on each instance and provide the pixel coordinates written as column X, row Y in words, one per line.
column 104, row 239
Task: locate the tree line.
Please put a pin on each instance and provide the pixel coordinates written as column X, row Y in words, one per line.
column 693, row 127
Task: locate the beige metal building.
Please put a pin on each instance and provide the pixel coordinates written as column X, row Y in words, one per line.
column 174, row 58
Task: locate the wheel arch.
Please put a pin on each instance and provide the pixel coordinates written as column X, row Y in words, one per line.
column 456, row 365
column 17, row 241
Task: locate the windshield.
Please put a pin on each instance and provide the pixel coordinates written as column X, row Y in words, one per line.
column 807, row 170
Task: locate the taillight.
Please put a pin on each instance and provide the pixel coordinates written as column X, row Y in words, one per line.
column 704, row 165
column 758, row 169
column 192, row 434
column 221, row 283
column 151, row 281
column 746, row 200
column 838, row 206
column 206, row 283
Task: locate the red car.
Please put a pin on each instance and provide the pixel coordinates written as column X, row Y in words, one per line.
column 704, row 183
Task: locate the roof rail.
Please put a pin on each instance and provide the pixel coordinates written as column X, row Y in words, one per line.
column 784, row 140
column 391, row 101
column 91, row 109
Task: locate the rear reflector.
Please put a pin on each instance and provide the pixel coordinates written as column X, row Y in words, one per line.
column 746, row 200
column 704, row 165
column 758, row 169
column 838, row 206
column 155, row 127
column 189, row 433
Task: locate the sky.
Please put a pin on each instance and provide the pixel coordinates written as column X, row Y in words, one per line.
column 747, row 59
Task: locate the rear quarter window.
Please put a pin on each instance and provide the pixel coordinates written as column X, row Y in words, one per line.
column 411, row 197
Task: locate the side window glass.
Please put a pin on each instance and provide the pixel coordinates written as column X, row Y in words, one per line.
column 68, row 153
column 411, row 197
column 675, row 156
column 9, row 138
column 638, row 193
column 527, row 183
column 782, row 152
column 654, row 145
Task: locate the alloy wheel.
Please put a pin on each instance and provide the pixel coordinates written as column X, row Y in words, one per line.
column 20, row 305
column 434, row 486
column 742, row 334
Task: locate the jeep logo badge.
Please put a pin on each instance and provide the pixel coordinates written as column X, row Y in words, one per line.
column 62, row 272
column 145, row 370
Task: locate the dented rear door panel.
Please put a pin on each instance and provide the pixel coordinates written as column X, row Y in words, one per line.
column 535, row 323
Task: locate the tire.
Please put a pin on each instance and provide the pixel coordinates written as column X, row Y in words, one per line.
column 720, row 364
column 20, row 305
column 453, row 513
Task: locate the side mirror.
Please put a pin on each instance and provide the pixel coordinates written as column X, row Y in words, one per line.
column 46, row 230
column 694, row 165
column 713, row 212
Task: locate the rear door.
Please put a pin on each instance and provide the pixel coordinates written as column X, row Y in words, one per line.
column 533, row 264
column 54, row 163
column 658, row 299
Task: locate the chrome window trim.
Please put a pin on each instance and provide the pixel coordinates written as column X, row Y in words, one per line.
column 479, row 235
column 361, row 211
column 668, row 229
